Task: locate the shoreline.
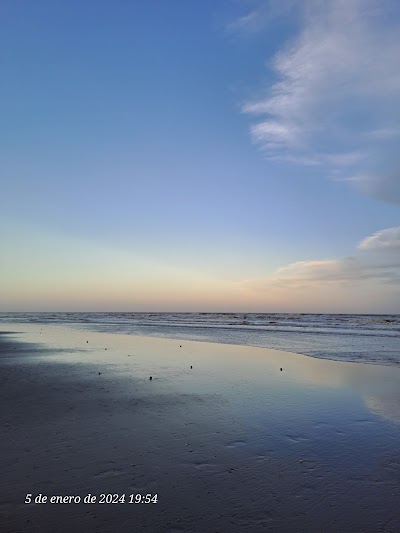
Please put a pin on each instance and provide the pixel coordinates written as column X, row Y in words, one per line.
column 233, row 443
column 362, row 338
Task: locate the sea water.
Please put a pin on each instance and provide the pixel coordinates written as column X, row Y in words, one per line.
column 348, row 337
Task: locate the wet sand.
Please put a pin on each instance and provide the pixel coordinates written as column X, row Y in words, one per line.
column 234, row 444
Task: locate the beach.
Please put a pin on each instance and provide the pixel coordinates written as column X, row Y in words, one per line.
column 230, row 438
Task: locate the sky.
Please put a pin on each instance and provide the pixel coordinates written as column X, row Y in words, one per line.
column 235, row 155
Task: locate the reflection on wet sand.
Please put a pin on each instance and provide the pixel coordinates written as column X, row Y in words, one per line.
column 232, row 438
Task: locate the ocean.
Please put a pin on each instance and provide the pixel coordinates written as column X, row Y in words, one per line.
column 344, row 337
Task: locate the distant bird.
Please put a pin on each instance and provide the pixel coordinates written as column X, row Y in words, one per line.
column 180, row 346
column 281, row 369
column 191, row 366
column 150, row 378
column 87, row 341
column 99, row 373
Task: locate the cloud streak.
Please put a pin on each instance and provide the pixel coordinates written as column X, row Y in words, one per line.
column 387, row 240
column 263, row 13
column 377, row 260
column 335, row 98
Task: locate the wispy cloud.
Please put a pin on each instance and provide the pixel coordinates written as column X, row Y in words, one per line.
column 387, row 240
column 335, row 98
column 376, row 259
column 261, row 13
column 384, row 133
column 384, row 186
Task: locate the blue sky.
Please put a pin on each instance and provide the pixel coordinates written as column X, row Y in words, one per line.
column 236, row 155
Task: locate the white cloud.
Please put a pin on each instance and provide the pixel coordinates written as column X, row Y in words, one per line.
column 375, row 262
column 336, row 94
column 274, row 132
column 387, row 240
